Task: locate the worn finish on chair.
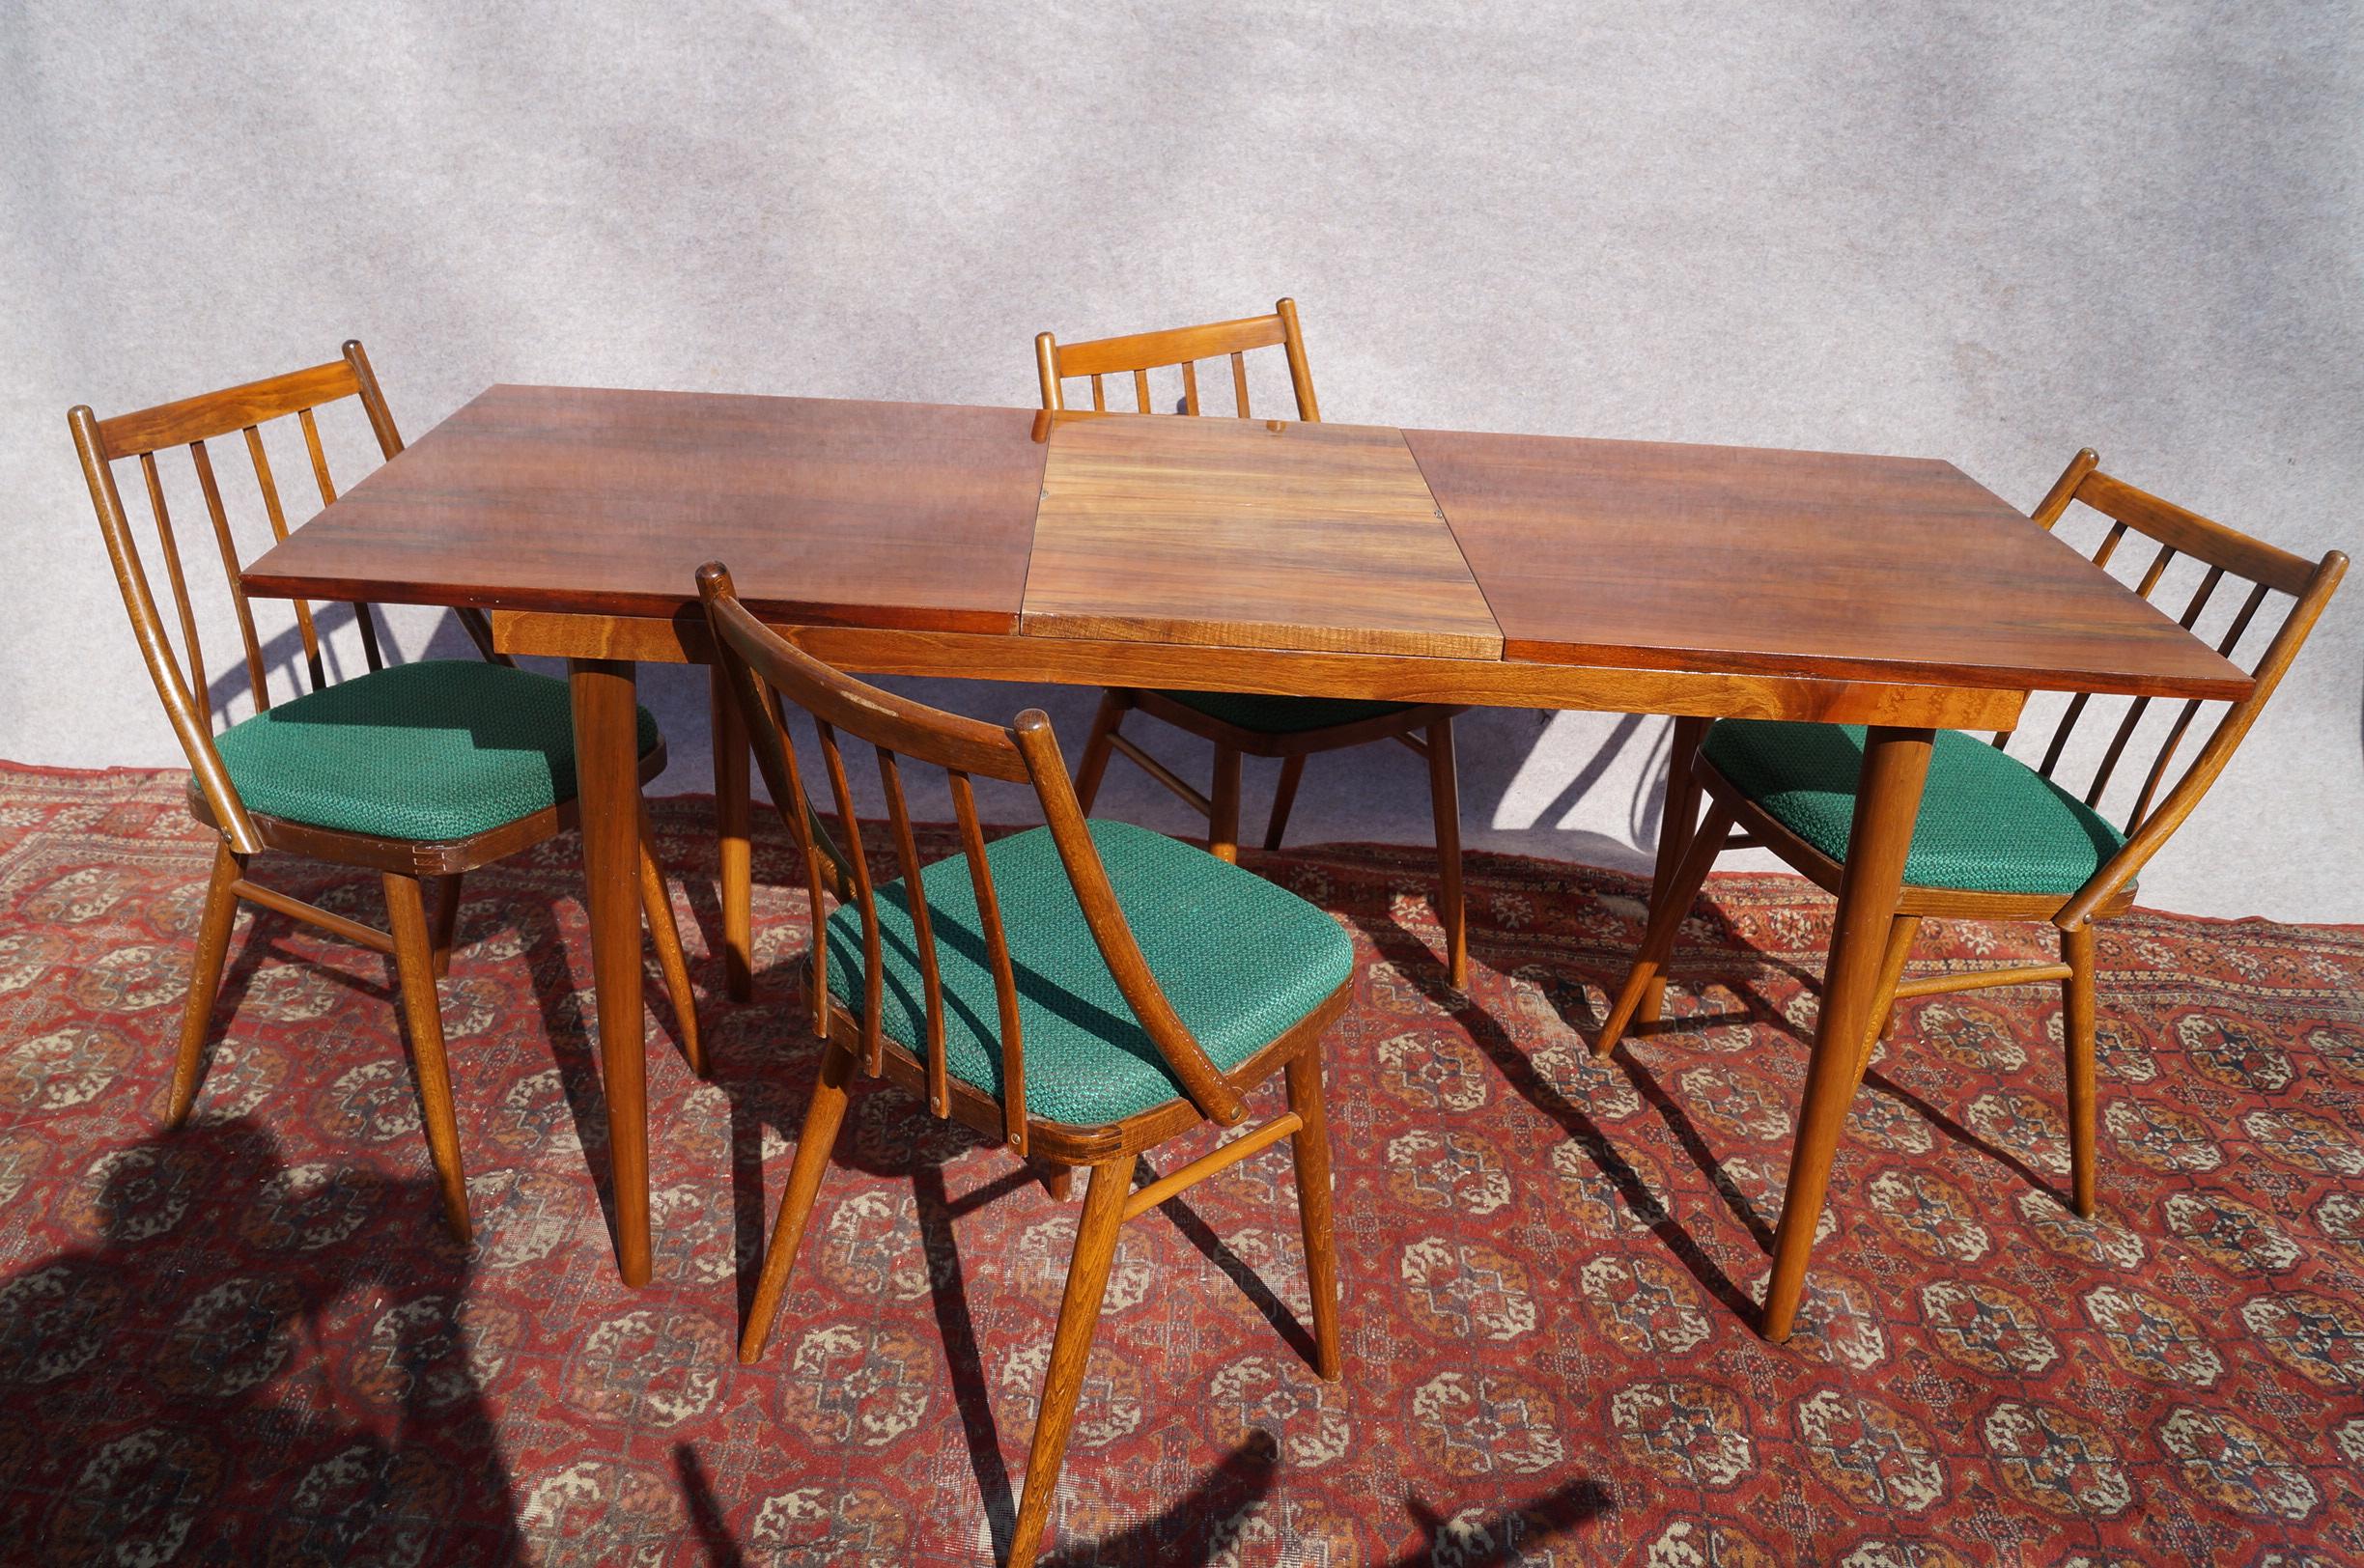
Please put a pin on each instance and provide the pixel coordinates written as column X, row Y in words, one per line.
column 760, row 669
column 2102, row 889
column 1386, row 483
column 419, row 946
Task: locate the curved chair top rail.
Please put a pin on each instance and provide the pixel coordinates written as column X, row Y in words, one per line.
column 180, row 673
column 760, row 668
column 192, row 422
column 1142, row 352
column 2227, row 553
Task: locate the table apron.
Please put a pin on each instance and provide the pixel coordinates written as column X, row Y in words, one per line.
column 1482, row 682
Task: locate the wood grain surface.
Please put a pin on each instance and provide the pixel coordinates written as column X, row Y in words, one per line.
column 1249, row 534
column 1801, row 563
column 606, row 502
column 1814, row 572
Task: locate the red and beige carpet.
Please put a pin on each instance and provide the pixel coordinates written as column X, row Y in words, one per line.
column 250, row 1342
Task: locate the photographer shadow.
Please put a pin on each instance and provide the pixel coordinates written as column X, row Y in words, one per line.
column 250, row 1362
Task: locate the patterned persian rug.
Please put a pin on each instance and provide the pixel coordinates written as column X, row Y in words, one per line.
column 250, row 1342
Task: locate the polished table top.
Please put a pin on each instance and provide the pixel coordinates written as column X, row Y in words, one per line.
column 1251, row 556
column 1241, row 534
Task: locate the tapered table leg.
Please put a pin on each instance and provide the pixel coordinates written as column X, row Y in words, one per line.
column 1887, row 798
column 1676, row 818
column 732, row 811
column 607, row 786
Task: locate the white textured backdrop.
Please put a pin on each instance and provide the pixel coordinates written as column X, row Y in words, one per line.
column 1987, row 233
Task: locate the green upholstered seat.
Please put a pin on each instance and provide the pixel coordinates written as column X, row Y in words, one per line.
column 1240, row 959
column 1989, row 822
column 1282, row 715
column 433, row 751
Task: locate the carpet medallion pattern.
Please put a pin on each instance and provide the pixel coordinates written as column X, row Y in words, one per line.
column 250, row 1342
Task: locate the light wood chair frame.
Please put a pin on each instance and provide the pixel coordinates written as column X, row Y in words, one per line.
column 420, row 945
column 760, row 669
column 1425, row 729
column 2110, row 890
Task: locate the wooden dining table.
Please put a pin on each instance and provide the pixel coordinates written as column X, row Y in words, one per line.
column 1246, row 555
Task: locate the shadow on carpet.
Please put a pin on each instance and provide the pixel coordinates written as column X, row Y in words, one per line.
column 251, row 1342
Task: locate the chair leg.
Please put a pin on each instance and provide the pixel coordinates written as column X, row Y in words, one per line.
column 822, row 1119
column 734, row 851
column 656, row 903
column 1675, row 820
column 446, row 921
column 1310, row 1143
column 205, row 980
column 1087, row 1272
column 1097, row 748
column 1671, row 901
column 1284, row 797
column 1223, row 822
column 414, row 970
column 2077, row 992
column 1900, row 934
column 1445, row 798
column 1060, row 1182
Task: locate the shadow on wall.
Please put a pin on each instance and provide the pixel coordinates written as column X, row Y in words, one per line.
column 285, row 670
column 1348, row 796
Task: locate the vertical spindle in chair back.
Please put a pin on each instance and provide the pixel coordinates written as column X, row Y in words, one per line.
column 179, row 674
column 1142, row 352
column 760, row 668
column 385, row 769
column 2265, row 570
column 1261, row 973
column 2005, row 840
column 1238, row 724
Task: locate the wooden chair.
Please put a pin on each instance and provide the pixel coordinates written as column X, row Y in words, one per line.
column 1139, row 990
column 418, row 772
column 1241, row 724
column 1995, row 839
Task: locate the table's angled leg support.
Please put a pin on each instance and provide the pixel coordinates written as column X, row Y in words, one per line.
column 1222, row 819
column 1670, row 900
column 1677, row 817
column 608, row 789
column 732, row 814
column 1445, row 802
column 1887, row 798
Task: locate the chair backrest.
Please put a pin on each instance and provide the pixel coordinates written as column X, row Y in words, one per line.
column 760, row 668
column 192, row 422
column 1185, row 346
column 2226, row 554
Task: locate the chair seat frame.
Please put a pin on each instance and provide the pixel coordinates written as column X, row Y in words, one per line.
column 1688, row 852
column 420, row 947
column 759, row 668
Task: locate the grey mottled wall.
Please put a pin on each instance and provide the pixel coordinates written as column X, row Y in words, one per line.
column 1987, row 233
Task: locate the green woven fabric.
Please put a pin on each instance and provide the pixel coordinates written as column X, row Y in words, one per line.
column 1282, row 715
column 1240, row 959
column 1989, row 822
column 436, row 750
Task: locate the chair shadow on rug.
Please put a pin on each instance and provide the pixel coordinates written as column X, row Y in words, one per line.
column 1731, row 961
column 174, row 1381
column 1406, row 952
column 559, row 994
column 1192, row 1532
column 540, row 933
column 767, row 1078
column 1728, row 961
